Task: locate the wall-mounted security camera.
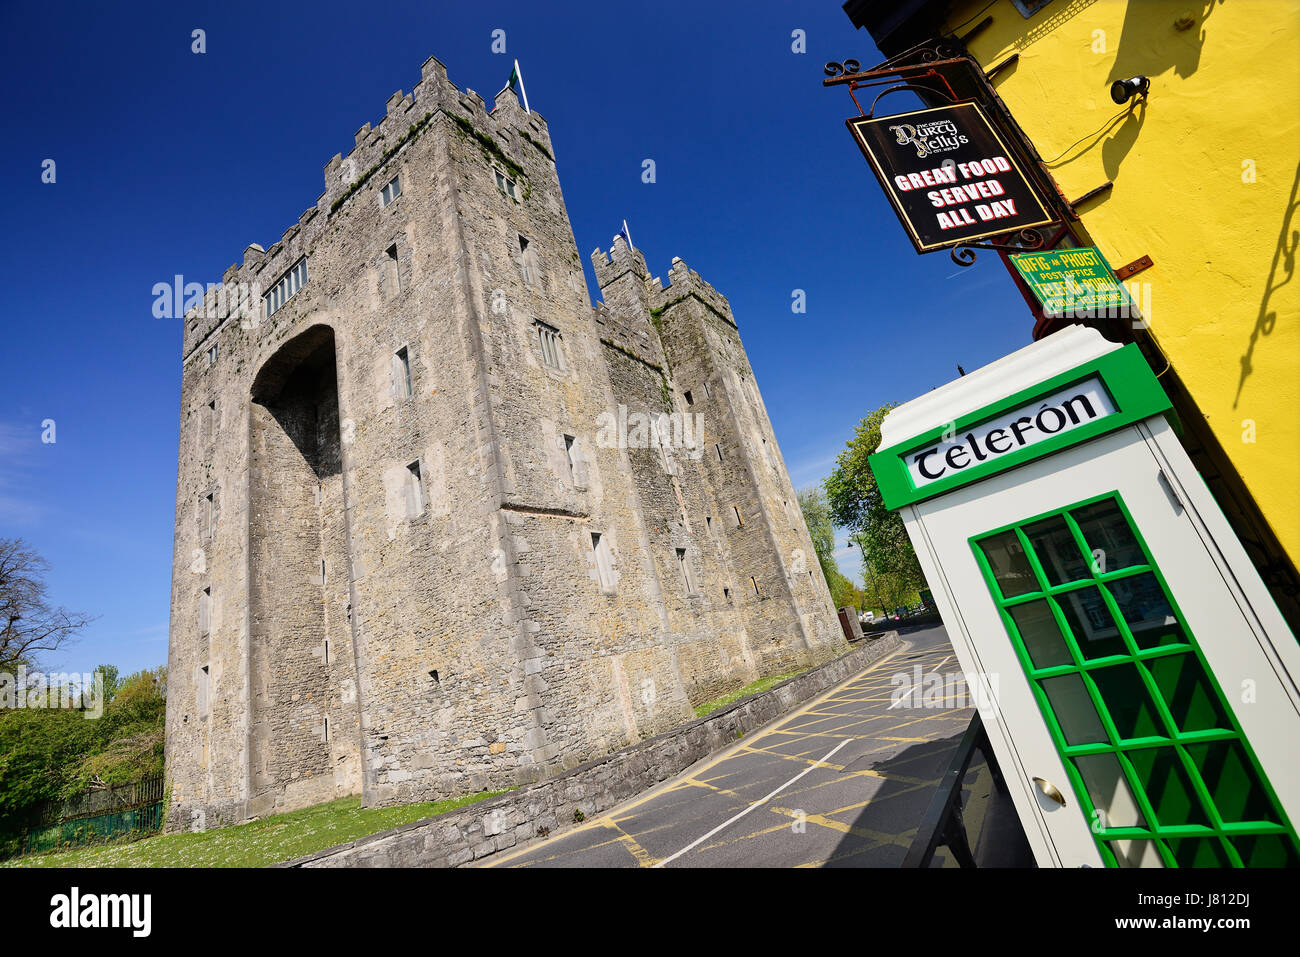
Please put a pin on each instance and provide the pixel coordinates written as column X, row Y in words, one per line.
column 1121, row 91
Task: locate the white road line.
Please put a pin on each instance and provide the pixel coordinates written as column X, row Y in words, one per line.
column 737, row 817
column 913, row 689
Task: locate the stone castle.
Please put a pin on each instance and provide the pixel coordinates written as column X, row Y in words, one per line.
column 441, row 525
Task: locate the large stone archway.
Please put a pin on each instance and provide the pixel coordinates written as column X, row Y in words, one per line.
column 304, row 736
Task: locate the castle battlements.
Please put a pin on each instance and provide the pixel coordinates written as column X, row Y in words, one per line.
column 683, row 281
column 407, row 115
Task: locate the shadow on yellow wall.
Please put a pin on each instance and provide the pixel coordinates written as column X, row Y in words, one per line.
column 1281, row 271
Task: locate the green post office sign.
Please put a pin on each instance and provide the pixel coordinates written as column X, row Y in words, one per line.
column 1072, row 282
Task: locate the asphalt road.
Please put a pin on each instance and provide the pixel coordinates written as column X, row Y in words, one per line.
column 842, row 781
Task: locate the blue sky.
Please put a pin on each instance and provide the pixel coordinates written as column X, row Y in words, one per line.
column 172, row 162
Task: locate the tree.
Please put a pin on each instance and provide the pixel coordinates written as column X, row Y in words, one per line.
column 890, row 568
column 29, row 624
column 817, row 516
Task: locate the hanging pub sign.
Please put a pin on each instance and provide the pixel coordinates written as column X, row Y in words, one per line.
column 949, row 175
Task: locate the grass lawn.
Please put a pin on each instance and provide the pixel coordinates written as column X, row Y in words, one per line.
column 762, row 684
column 257, row 843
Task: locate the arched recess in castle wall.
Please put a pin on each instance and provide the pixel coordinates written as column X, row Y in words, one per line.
column 304, row 737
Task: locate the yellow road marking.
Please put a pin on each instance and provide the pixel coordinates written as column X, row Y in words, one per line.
column 650, row 795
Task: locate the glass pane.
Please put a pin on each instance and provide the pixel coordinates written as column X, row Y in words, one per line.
column 1127, row 700
column 1162, row 776
column 1074, row 710
column 1091, row 623
column 1266, row 850
column 1040, row 634
column 1142, row 602
column 1192, row 701
column 1232, row 782
column 1010, row 565
column 1056, row 550
column 1136, row 853
column 1198, row 851
column 1109, row 792
column 1109, row 536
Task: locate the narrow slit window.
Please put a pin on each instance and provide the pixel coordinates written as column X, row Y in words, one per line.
column 684, row 563
column 604, row 564
column 739, row 521
column 209, row 515
column 718, row 448
column 754, row 583
column 414, row 490
column 402, row 373
column 528, row 260
column 570, row 455
column 205, row 611
column 204, row 691
column 392, row 275
column 327, row 728
column 689, row 400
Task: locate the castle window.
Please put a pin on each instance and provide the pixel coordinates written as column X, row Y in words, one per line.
column 683, row 562
column 390, row 192
column 212, row 355
column 726, row 593
column 203, row 692
column 739, row 521
column 754, row 582
column 708, row 521
column 506, row 184
column 402, row 373
column 548, row 338
column 707, row 393
column 392, row 275
column 577, row 464
column 718, row 448
column 285, row 289
column 414, row 490
column 528, row 261
column 205, row 611
column 327, row 728
column 209, row 506
column 208, row 423
column 689, row 400
column 604, row 562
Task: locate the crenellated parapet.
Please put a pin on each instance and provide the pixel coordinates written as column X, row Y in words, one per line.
column 506, row 128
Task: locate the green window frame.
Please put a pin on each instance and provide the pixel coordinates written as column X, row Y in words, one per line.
column 1135, row 713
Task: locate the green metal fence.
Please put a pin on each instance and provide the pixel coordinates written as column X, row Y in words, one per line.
column 93, row 817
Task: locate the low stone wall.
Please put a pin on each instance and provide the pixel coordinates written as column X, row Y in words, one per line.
column 483, row 829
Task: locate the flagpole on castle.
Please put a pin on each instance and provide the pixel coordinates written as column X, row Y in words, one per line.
column 523, row 92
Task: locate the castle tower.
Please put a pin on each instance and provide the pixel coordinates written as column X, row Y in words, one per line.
column 429, row 539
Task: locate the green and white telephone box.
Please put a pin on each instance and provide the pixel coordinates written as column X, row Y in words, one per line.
column 1146, row 706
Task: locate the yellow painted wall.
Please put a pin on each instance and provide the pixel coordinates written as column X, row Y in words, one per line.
column 1224, row 295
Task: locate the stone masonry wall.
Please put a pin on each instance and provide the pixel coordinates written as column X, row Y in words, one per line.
column 459, row 637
